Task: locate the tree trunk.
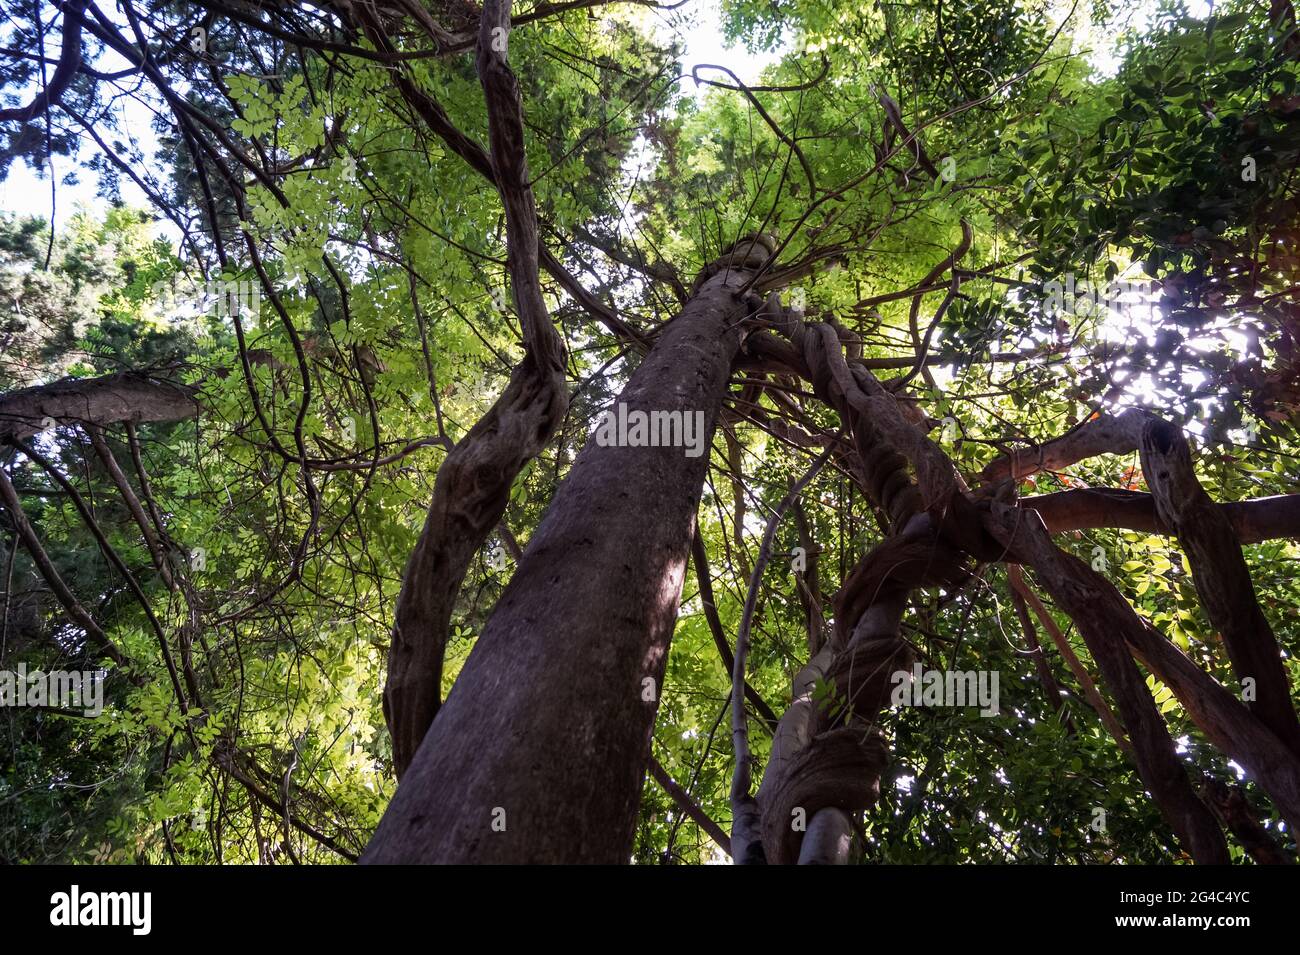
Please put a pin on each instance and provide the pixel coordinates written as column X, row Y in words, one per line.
column 539, row 753
column 469, row 498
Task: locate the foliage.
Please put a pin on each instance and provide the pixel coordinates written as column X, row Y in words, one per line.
column 385, row 333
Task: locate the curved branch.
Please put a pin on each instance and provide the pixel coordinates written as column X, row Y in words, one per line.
column 767, row 118
column 1255, row 520
column 69, row 62
column 1105, row 434
column 473, row 485
column 922, row 344
column 1220, row 576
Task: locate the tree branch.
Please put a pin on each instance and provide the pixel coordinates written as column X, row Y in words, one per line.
column 1104, row 618
column 126, row 396
column 1220, row 575
column 1107, row 434
column 472, row 488
column 69, row 62
column 1252, row 521
column 689, row 805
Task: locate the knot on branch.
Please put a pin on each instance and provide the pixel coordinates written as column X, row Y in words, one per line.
column 839, row 768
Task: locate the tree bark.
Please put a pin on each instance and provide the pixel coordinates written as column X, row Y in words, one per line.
column 126, row 396
column 469, row 497
column 473, row 485
column 1223, row 718
column 1107, row 434
column 1253, row 521
column 539, row 753
column 1234, row 811
column 1221, row 577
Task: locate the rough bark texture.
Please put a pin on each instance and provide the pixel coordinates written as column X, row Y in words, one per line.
column 886, row 432
column 128, row 396
column 473, row 484
column 547, row 730
column 1221, row 577
column 826, row 761
column 1230, row 805
column 469, row 497
column 828, row 757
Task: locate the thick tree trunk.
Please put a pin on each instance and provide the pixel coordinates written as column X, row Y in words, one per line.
column 469, row 498
column 539, row 753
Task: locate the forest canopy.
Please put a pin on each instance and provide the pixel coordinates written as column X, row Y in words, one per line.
column 492, row 433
